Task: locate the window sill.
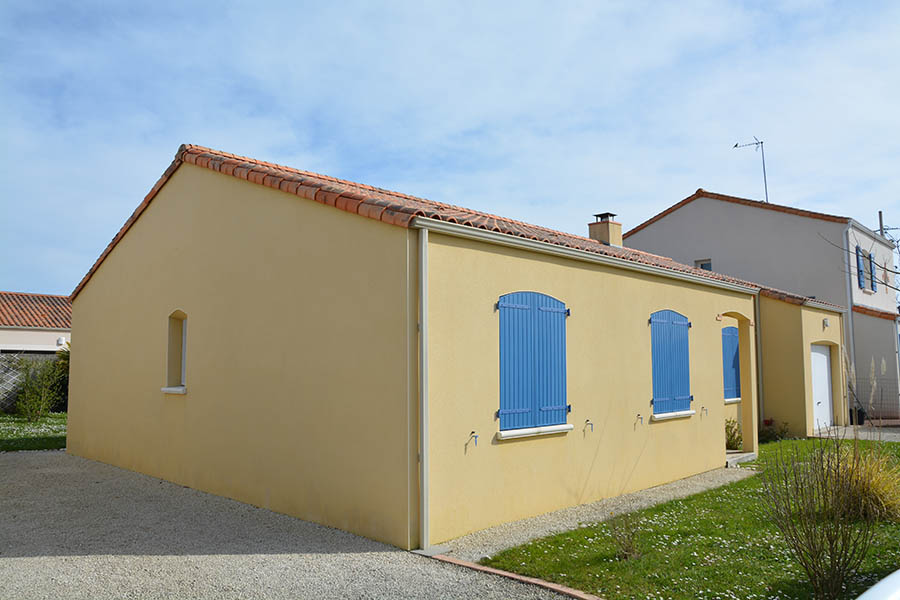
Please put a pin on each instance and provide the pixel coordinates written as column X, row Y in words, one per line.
column 178, row 389
column 510, row 434
column 732, row 400
column 868, row 291
column 681, row 414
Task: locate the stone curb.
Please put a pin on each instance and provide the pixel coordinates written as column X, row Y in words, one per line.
column 560, row 589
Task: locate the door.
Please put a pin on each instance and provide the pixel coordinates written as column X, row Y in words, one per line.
column 823, row 415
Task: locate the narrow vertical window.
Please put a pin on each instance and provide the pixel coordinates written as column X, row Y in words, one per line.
column 670, row 360
column 731, row 362
column 177, row 351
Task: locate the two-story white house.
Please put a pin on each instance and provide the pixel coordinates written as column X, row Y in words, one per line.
column 828, row 257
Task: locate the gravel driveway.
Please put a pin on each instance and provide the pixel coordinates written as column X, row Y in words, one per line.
column 74, row 528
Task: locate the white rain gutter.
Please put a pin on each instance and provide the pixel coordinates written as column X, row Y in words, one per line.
column 423, row 390
column 502, row 239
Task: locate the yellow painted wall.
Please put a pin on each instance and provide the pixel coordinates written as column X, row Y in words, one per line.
column 782, row 364
column 787, row 334
column 300, row 336
column 608, row 378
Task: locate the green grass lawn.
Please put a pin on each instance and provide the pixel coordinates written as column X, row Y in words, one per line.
column 48, row 433
column 712, row 545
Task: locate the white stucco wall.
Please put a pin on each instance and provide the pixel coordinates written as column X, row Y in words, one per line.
column 32, row 340
column 883, row 298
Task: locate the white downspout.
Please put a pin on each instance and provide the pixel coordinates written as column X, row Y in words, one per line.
column 850, row 269
column 423, row 390
column 760, row 397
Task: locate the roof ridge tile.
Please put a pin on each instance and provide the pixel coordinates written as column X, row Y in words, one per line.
column 392, row 207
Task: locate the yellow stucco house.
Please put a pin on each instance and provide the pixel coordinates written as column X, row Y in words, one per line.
column 408, row 370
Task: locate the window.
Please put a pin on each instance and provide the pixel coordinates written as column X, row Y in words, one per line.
column 731, row 362
column 532, row 361
column 671, row 362
column 704, row 263
column 860, row 271
column 177, row 350
column 872, row 276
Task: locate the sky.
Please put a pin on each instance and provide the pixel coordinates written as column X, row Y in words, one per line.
column 543, row 112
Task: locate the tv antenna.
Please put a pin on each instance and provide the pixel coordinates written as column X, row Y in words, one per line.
column 758, row 144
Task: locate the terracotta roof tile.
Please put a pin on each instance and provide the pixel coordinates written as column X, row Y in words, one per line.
column 874, row 312
column 21, row 309
column 701, row 193
column 396, row 209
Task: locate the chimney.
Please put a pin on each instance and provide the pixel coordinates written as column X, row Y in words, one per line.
column 605, row 230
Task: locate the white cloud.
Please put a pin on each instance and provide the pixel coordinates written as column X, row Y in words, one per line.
column 537, row 112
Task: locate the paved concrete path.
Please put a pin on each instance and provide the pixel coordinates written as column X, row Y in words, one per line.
column 867, row 431
column 73, row 528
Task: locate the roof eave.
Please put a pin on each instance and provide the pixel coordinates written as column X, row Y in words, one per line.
column 505, row 239
column 29, row 328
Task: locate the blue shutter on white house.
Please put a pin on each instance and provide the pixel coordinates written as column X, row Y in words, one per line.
column 670, row 360
column 872, row 272
column 860, row 271
column 532, row 360
column 731, row 363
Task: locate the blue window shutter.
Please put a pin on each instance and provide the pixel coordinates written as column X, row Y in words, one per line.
column 682, row 376
column 550, row 361
column 532, row 360
column 660, row 359
column 731, row 363
column 516, row 401
column 670, row 360
column 872, row 272
column 860, row 271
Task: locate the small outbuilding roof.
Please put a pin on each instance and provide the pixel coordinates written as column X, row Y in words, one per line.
column 398, row 209
column 43, row 311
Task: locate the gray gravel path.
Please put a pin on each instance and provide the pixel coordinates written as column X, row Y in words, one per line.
column 73, row 528
column 487, row 542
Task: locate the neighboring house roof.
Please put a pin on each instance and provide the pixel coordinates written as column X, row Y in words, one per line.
column 393, row 208
column 874, row 312
column 45, row 311
column 701, row 193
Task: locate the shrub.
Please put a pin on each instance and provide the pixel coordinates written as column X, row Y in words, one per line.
column 813, row 499
column 770, row 433
column 624, row 532
column 37, row 392
column 875, row 492
column 61, row 379
column 733, row 438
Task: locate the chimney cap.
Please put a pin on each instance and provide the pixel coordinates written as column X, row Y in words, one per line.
column 605, row 216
